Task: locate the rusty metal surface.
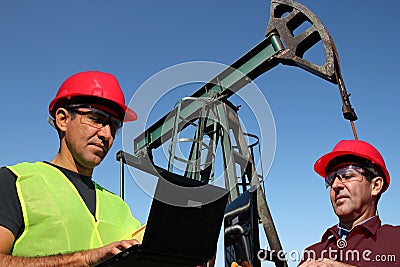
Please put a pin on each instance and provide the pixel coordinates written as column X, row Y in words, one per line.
column 285, row 17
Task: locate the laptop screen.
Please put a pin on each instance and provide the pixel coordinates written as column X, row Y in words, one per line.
column 185, row 218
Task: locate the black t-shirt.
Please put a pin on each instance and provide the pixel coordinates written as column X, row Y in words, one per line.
column 10, row 206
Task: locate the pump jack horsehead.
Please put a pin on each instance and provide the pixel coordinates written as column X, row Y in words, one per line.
column 211, row 118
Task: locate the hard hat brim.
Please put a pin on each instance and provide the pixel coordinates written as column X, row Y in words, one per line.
column 129, row 115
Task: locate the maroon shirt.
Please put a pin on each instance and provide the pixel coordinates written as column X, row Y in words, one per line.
column 368, row 244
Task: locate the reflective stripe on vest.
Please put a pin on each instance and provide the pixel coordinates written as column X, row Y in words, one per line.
column 56, row 218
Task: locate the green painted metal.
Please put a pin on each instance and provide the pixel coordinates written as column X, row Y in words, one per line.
column 230, row 174
column 248, row 67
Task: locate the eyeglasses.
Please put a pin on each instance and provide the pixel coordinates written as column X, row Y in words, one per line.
column 96, row 118
column 345, row 174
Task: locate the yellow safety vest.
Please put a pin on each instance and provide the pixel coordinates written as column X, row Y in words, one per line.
column 57, row 220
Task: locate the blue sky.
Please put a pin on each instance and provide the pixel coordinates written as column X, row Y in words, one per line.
column 43, row 42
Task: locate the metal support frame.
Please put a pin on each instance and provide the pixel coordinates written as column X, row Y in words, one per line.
column 279, row 46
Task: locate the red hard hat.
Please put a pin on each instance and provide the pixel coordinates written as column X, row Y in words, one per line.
column 353, row 147
column 94, row 84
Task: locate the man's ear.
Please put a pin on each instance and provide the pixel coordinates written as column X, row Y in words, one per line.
column 61, row 119
column 377, row 185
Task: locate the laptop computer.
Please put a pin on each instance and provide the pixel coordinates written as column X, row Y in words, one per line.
column 183, row 226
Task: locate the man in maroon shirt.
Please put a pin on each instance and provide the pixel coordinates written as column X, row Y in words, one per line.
column 359, row 239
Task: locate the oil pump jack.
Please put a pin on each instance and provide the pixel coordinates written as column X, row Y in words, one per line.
column 216, row 123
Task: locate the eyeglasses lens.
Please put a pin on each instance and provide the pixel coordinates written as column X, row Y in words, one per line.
column 98, row 119
column 346, row 174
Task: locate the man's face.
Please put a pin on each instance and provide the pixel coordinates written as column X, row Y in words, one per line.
column 89, row 136
column 350, row 195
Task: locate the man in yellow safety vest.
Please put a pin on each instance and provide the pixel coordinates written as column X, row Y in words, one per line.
column 52, row 213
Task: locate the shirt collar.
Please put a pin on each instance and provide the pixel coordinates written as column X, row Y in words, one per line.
column 343, row 233
column 371, row 225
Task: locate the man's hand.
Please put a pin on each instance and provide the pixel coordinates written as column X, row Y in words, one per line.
column 79, row 259
column 323, row 263
column 95, row 256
